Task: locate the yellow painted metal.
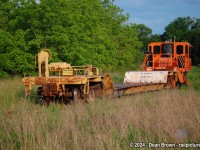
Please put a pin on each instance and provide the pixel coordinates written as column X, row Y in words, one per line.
column 86, row 88
column 43, row 66
column 67, row 72
column 58, row 66
column 144, row 88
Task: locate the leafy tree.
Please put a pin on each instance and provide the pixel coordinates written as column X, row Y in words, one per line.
column 178, row 28
column 144, row 35
column 156, row 38
column 77, row 32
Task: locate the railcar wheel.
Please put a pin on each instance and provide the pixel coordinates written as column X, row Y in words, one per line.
column 171, row 83
column 95, row 92
column 77, row 95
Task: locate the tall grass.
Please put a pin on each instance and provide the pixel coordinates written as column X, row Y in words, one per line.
column 170, row 116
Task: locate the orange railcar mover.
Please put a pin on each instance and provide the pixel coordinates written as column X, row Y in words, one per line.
column 174, row 57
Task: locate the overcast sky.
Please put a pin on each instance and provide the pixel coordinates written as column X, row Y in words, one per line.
column 156, row 14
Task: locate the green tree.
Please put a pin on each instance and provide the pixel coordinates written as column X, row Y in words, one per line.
column 144, row 35
column 76, row 31
column 156, row 38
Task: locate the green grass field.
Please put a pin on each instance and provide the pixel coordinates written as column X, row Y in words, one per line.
column 169, row 116
column 194, row 78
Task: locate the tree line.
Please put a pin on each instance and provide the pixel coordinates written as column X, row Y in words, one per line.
column 78, row 32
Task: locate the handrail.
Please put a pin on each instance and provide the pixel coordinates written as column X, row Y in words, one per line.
column 145, row 61
column 164, row 61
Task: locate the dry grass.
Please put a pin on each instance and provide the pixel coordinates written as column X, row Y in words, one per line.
column 170, row 116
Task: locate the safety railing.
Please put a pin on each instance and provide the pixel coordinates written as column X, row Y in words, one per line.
column 181, row 62
column 161, row 62
column 145, row 62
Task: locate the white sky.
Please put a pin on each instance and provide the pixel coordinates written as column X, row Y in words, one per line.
column 156, row 14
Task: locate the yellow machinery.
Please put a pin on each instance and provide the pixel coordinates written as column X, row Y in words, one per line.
column 63, row 82
column 59, row 81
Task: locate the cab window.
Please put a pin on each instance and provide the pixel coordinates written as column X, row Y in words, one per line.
column 156, row 49
column 150, row 50
column 186, row 49
column 167, row 49
column 179, row 49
